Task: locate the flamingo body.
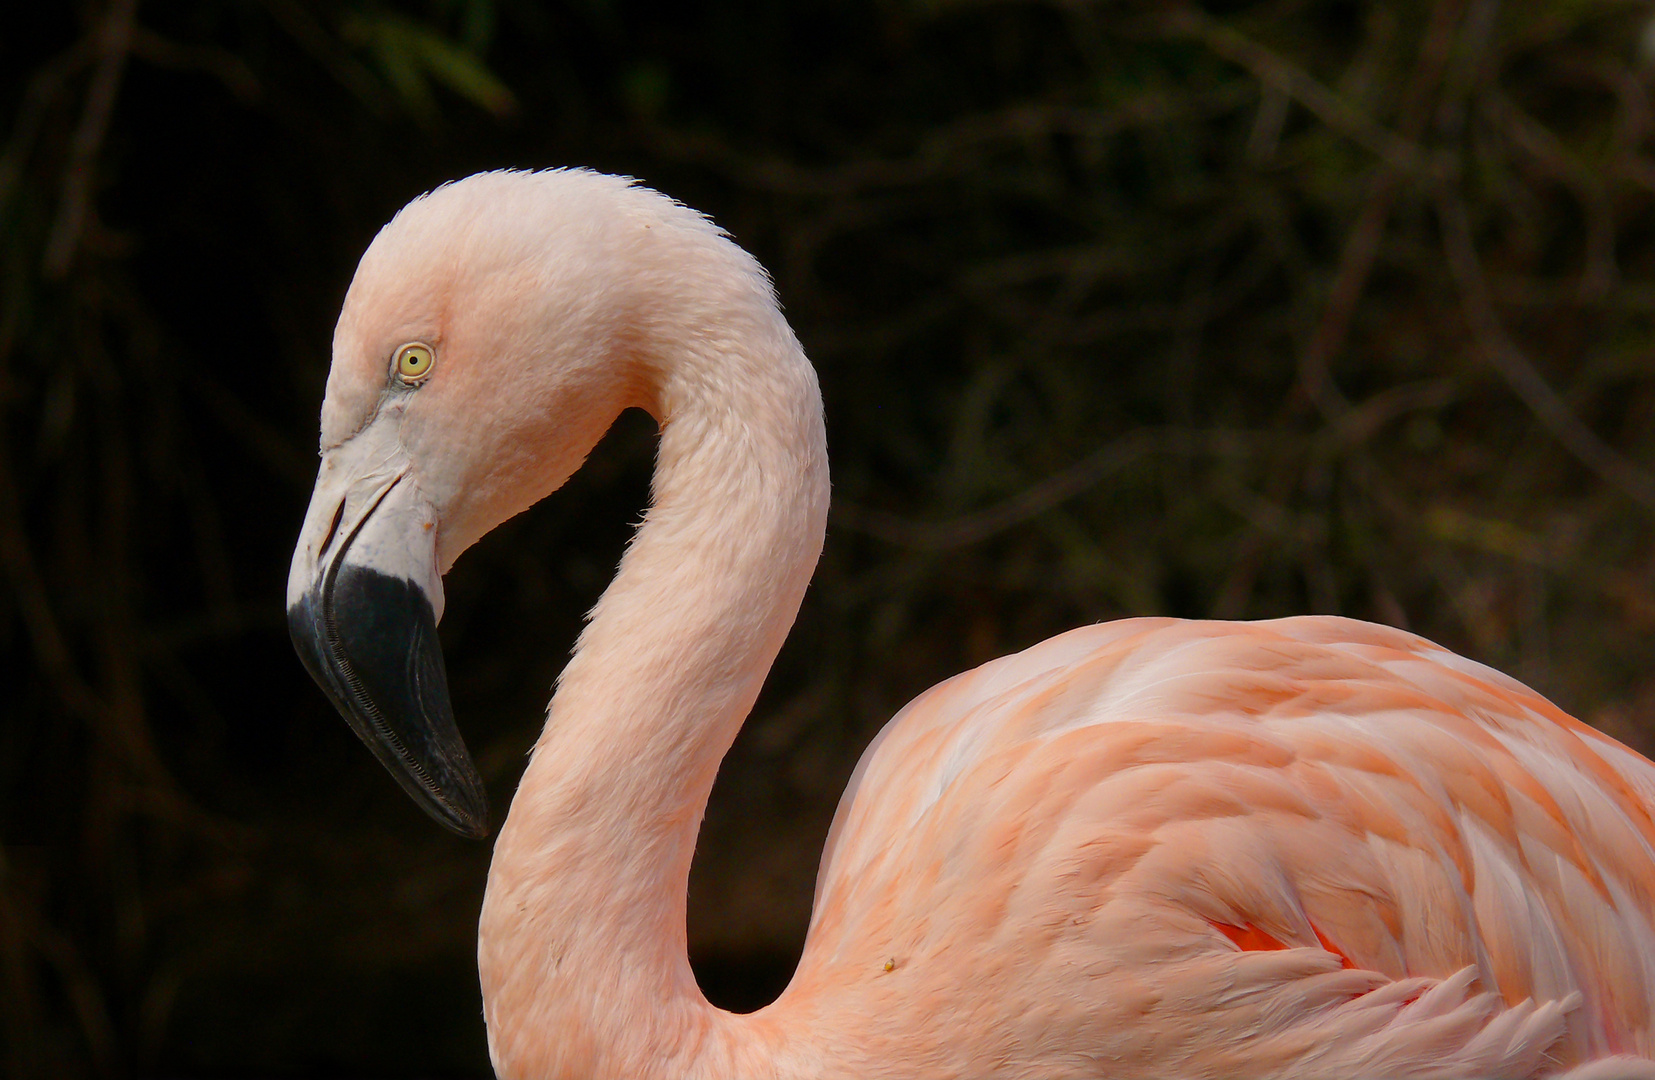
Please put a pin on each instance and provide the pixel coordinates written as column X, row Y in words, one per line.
column 1308, row 847
column 1152, row 848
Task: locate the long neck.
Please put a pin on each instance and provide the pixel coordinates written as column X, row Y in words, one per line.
column 582, row 942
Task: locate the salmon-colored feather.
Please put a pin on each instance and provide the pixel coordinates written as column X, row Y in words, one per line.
column 1152, row 848
column 1422, row 818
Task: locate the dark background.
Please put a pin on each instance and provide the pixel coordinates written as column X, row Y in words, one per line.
column 1234, row 310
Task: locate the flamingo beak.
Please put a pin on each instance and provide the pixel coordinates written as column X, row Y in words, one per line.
column 363, row 598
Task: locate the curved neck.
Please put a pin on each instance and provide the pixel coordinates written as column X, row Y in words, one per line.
column 582, row 944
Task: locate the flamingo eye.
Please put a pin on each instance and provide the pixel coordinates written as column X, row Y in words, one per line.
column 414, row 362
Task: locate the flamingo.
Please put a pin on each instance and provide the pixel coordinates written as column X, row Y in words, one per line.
column 1309, row 847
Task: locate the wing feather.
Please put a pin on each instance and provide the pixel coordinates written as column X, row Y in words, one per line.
column 1079, row 822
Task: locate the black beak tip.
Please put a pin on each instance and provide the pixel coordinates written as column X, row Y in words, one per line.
column 472, row 823
column 460, row 805
column 370, row 641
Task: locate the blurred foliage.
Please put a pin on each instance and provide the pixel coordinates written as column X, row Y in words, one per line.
column 411, row 54
column 1233, row 310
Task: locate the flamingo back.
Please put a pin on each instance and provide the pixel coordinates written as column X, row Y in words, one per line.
column 1157, row 847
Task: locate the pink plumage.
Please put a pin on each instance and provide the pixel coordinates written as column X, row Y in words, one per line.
column 1152, row 848
column 1127, row 800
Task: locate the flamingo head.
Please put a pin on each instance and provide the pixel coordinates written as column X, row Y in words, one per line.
column 494, row 330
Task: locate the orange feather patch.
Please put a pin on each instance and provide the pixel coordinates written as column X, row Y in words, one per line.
column 1251, row 939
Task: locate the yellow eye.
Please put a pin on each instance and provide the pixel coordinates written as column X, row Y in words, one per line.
column 414, row 361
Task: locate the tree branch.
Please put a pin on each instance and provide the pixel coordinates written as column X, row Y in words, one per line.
column 114, row 45
column 1514, row 367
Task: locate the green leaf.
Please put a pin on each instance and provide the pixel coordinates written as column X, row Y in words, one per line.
column 410, row 53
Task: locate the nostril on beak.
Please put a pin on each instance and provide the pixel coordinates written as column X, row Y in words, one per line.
column 333, row 530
